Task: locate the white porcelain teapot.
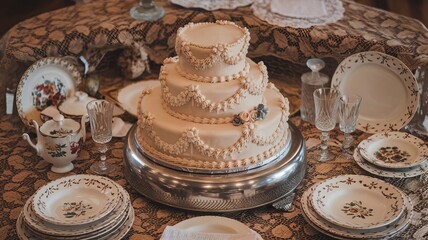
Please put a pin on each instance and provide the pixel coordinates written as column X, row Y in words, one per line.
column 59, row 141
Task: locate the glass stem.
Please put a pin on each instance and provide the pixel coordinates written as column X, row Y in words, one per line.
column 347, row 141
column 324, row 139
column 146, row 4
column 103, row 149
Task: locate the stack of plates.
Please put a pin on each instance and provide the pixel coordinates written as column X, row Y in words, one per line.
column 77, row 207
column 356, row 206
column 393, row 154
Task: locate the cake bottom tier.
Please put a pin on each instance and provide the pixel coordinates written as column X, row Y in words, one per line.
column 204, row 147
column 216, row 192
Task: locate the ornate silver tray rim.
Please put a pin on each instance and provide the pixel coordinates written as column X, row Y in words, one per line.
column 216, row 192
column 275, row 157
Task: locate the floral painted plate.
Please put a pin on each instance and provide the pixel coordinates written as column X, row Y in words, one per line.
column 128, row 96
column 118, row 232
column 76, row 200
column 45, row 83
column 394, row 150
column 388, row 89
column 34, row 222
column 390, row 172
column 357, row 201
column 339, row 232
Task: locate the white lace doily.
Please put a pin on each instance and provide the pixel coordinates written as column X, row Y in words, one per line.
column 262, row 9
column 211, row 5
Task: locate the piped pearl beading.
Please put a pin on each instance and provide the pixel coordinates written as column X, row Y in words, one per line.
column 190, row 137
column 192, row 94
column 218, row 52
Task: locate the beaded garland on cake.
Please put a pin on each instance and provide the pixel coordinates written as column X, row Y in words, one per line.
column 214, row 109
column 218, row 52
column 207, row 79
column 192, row 94
column 190, row 138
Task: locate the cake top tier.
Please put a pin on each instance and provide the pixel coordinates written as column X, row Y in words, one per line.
column 209, row 34
column 212, row 51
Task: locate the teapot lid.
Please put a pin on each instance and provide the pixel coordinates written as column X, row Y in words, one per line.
column 59, row 127
column 75, row 105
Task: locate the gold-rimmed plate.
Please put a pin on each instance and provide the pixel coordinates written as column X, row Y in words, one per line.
column 47, row 82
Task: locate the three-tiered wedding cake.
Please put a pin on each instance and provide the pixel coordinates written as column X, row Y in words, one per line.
column 215, row 109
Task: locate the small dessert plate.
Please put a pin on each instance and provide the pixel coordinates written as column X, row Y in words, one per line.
column 390, row 172
column 394, row 150
column 76, row 200
column 357, row 201
column 128, row 96
column 47, row 82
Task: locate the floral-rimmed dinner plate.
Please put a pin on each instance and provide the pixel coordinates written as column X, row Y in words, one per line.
column 394, row 150
column 47, row 82
column 92, row 235
column 390, row 172
column 76, row 200
column 337, row 231
column 34, row 222
column 343, row 238
column 357, row 201
column 118, row 232
column 388, row 89
column 128, row 96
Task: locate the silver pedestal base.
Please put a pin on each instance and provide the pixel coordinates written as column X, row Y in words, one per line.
column 216, row 192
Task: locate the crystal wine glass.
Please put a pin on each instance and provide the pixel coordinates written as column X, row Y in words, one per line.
column 349, row 106
column 147, row 10
column 326, row 105
column 100, row 117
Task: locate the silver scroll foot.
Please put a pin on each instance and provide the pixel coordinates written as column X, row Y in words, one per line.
column 285, row 203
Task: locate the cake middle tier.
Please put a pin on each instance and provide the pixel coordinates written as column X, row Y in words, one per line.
column 212, row 146
column 205, row 102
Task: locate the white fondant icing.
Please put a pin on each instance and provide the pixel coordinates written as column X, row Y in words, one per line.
column 204, row 113
column 212, row 100
column 221, row 50
column 205, row 142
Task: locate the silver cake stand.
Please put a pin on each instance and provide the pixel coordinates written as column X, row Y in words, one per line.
column 231, row 191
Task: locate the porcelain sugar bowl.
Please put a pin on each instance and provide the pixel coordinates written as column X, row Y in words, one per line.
column 75, row 107
column 59, row 141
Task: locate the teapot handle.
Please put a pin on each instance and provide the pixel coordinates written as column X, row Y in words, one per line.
column 25, row 136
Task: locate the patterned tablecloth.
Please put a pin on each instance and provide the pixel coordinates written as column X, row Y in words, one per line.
column 98, row 27
column 101, row 26
column 22, row 172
